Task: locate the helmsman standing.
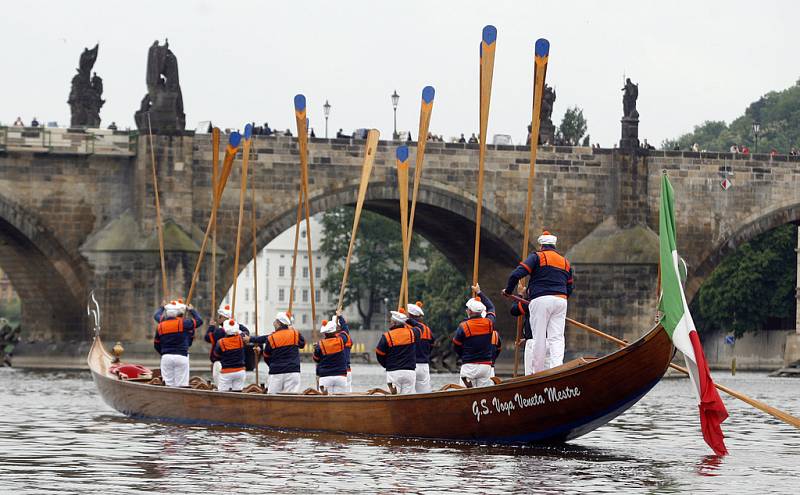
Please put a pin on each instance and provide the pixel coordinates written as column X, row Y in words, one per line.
column 174, row 334
column 549, row 286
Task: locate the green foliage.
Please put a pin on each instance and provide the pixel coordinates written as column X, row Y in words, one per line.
column 754, row 284
column 573, row 126
column 11, row 311
column 777, row 111
column 376, row 263
column 443, row 290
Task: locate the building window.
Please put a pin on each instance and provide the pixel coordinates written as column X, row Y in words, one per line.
column 318, row 272
column 305, row 319
column 316, row 295
column 305, row 295
column 281, row 271
column 246, row 295
column 281, row 295
column 305, row 272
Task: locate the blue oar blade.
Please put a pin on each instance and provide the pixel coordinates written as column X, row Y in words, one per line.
column 428, row 93
column 542, row 48
column 402, row 153
column 489, row 34
column 300, row 102
column 234, row 139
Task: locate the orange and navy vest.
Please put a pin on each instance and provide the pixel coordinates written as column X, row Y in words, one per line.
column 474, row 335
column 397, row 349
column 423, row 354
column 550, row 274
column 230, row 353
column 282, row 351
column 330, row 355
column 174, row 336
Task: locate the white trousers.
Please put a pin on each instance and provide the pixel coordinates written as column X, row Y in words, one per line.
column 528, row 359
column 478, row 374
column 333, row 384
column 231, row 381
column 284, row 383
column 216, row 368
column 349, row 381
column 403, row 380
column 548, row 317
column 175, row 370
column 423, row 383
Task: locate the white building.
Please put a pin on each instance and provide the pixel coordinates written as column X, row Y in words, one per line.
column 274, row 283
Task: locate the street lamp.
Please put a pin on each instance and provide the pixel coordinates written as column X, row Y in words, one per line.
column 756, row 128
column 385, row 312
column 327, row 109
column 395, row 99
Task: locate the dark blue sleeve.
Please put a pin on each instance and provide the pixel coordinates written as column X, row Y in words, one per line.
column 381, row 350
column 522, row 270
column 194, row 322
column 260, row 340
column 317, row 356
column 458, row 341
column 570, row 282
column 217, row 352
column 490, row 309
column 157, row 342
column 343, row 324
column 158, row 314
column 209, row 333
column 301, row 341
column 244, row 329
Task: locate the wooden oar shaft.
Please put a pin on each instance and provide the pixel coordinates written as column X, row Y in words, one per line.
column 255, row 261
column 159, row 227
column 242, row 194
column 402, row 183
column 214, row 180
column 298, row 220
column 366, row 170
column 777, row 413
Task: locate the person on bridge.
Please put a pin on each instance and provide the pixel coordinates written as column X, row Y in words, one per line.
column 216, row 332
column 397, row 353
column 423, row 351
column 330, row 356
column 343, row 328
column 473, row 340
column 174, row 334
column 282, row 355
column 229, row 351
column 549, row 286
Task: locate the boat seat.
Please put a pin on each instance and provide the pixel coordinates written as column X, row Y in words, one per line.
column 311, row 391
column 253, row 389
column 451, row 386
column 378, row 391
column 198, row 383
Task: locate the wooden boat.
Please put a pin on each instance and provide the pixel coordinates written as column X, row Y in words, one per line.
column 552, row 406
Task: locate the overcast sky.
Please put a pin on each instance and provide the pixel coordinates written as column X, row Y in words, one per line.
column 243, row 61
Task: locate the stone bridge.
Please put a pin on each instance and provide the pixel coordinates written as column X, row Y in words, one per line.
column 76, row 213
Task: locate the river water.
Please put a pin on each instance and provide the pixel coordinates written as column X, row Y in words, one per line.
column 59, row 437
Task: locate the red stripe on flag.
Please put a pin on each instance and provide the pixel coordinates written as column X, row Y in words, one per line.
column 712, row 410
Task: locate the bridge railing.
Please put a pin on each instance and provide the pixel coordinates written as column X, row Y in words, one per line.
column 68, row 141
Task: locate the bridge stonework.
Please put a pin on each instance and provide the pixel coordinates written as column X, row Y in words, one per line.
column 72, row 220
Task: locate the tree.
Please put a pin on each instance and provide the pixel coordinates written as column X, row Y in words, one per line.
column 752, row 286
column 443, row 290
column 573, row 126
column 376, row 263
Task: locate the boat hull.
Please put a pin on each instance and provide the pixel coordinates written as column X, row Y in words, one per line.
column 547, row 407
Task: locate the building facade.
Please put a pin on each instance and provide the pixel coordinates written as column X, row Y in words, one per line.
column 274, row 271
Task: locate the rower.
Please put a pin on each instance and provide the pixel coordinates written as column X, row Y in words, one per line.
column 329, row 354
column 473, row 340
column 229, row 351
column 521, row 310
column 549, row 286
column 282, row 355
column 423, row 349
column 343, row 327
column 214, row 333
column 397, row 351
column 173, row 336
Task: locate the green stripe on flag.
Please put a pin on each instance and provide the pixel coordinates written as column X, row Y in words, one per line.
column 671, row 304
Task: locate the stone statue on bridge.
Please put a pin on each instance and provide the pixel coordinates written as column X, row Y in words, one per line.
column 547, row 130
column 85, row 97
column 631, row 94
column 163, row 101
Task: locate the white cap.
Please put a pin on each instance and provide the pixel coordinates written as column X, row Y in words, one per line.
column 415, row 309
column 328, row 327
column 231, row 327
column 399, row 317
column 284, row 318
column 547, row 238
column 225, row 310
column 475, row 305
column 172, row 309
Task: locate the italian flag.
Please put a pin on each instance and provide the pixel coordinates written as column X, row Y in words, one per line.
column 678, row 323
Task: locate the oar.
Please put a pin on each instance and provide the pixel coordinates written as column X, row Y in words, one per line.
column 230, row 154
column 248, row 133
column 159, row 227
column 426, row 107
column 302, row 141
column 402, row 186
column 366, row 170
column 488, row 45
column 253, row 205
column 296, row 241
column 540, row 57
column 214, row 180
column 777, row 413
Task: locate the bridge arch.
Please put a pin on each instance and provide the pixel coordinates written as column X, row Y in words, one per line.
column 751, row 228
column 47, row 279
